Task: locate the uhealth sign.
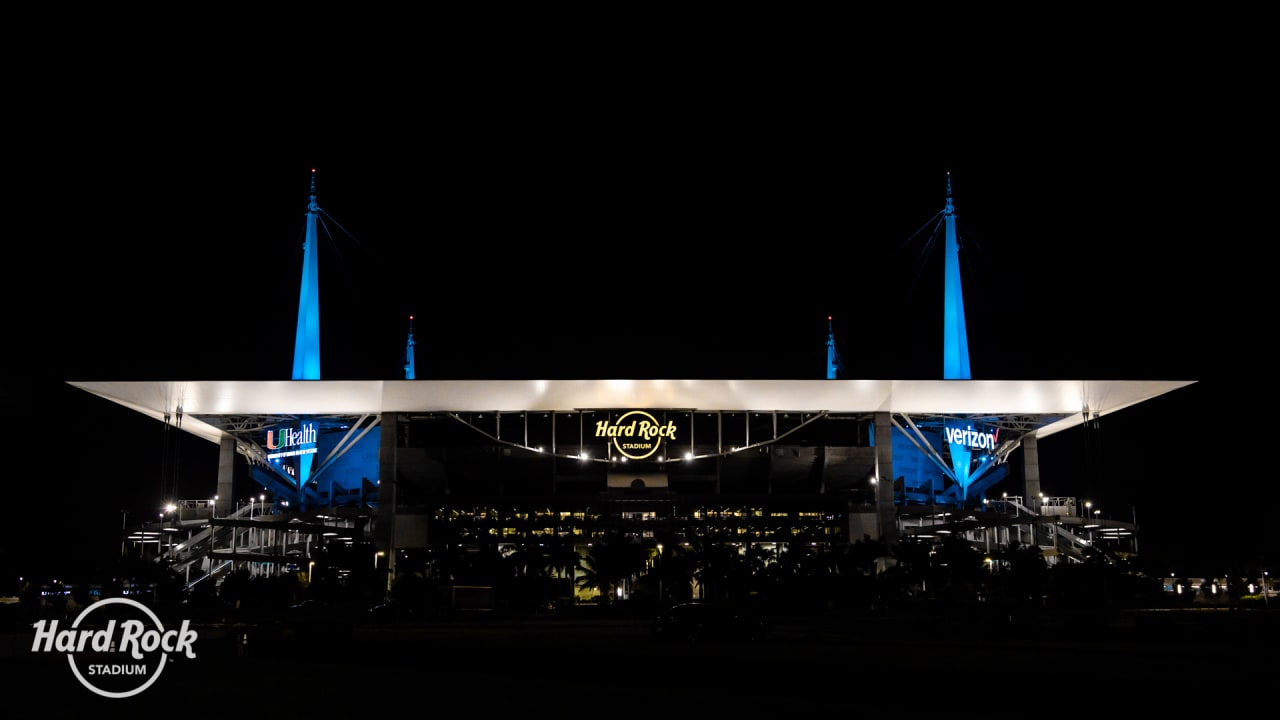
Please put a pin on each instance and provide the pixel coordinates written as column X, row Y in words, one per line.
column 287, row 442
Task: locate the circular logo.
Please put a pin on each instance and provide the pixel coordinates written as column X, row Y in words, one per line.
column 135, row 639
column 640, row 436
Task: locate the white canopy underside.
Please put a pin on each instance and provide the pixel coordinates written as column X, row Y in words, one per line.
column 1063, row 402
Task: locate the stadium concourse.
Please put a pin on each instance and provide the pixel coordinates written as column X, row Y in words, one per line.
column 405, row 466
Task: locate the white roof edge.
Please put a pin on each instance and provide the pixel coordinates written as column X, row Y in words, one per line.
column 1070, row 398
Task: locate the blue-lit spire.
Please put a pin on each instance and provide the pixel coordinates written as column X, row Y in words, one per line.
column 306, row 348
column 408, row 353
column 834, row 365
column 955, row 341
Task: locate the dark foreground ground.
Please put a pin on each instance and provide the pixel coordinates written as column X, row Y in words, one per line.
column 1056, row 666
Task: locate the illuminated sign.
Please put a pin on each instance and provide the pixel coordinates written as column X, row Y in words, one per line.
column 119, row 658
column 970, row 438
column 639, row 437
column 290, row 441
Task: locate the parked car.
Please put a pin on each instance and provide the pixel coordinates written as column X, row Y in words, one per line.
column 701, row 621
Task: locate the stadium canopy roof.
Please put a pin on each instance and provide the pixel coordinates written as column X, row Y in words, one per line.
column 1044, row 406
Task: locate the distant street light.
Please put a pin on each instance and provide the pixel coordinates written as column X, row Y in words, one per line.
column 160, row 541
column 875, row 502
column 660, row 603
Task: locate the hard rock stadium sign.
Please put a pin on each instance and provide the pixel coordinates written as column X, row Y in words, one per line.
column 636, row 434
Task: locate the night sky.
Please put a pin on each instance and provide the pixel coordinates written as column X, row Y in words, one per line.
column 696, row 242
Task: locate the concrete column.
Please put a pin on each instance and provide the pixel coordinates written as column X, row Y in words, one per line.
column 226, row 475
column 384, row 535
column 1031, row 484
column 886, row 516
column 1031, row 470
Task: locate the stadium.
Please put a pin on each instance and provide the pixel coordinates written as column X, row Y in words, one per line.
column 383, row 480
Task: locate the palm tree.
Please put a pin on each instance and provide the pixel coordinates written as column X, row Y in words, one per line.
column 757, row 559
column 1024, row 582
column 563, row 562
column 961, row 569
column 722, row 572
column 609, row 564
column 676, row 567
column 909, row 577
column 529, row 561
column 528, row 574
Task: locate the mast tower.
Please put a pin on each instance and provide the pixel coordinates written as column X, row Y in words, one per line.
column 955, row 341
column 408, row 353
column 306, row 348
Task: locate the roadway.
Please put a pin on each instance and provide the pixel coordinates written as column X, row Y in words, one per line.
column 613, row 669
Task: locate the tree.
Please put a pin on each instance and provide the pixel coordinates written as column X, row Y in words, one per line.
column 563, row 562
column 611, row 563
column 676, row 567
column 723, row 572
